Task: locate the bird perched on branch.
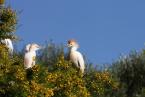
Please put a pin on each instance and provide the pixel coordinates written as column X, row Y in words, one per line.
column 29, row 58
column 75, row 56
column 8, row 44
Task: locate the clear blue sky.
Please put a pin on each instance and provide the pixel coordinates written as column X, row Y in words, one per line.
column 103, row 28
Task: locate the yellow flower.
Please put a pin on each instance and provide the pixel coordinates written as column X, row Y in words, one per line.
column 33, row 58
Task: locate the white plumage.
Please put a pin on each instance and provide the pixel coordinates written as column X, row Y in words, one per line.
column 8, row 44
column 75, row 56
column 27, row 47
column 30, row 55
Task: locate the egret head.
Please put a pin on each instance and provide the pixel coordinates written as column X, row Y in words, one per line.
column 72, row 44
column 34, row 47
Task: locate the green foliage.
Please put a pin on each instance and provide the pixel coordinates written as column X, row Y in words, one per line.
column 62, row 79
column 66, row 80
column 8, row 21
column 131, row 72
column 14, row 78
column 101, row 84
column 50, row 53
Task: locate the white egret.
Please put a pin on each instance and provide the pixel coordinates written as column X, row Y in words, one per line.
column 75, row 56
column 29, row 58
column 8, row 44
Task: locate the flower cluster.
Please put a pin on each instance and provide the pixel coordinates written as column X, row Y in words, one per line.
column 62, row 79
column 100, row 83
column 37, row 89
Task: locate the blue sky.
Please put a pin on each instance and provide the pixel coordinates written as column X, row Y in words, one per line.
column 104, row 28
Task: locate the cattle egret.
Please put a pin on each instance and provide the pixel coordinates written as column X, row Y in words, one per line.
column 75, row 56
column 29, row 58
column 8, row 44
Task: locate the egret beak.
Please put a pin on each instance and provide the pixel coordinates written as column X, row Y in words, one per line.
column 42, row 47
column 38, row 47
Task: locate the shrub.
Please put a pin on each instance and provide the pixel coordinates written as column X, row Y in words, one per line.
column 8, row 22
column 130, row 71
